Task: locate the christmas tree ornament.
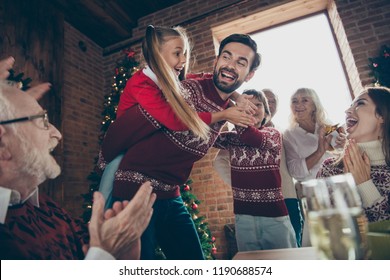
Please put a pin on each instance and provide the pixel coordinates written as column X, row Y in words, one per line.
column 380, row 67
column 123, row 71
column 189, row 199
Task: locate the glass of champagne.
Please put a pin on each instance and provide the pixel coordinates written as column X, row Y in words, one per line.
column 337, row 224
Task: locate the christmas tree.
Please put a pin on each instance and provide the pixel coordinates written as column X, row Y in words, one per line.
column 124, row 70
column 380, row 67
column 206, row 239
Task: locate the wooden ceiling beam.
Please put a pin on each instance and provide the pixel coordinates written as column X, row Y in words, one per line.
column 268, row 18
column 112, row 15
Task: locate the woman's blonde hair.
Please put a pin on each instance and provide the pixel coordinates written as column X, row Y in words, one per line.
column 155, row 37
column 319, row 114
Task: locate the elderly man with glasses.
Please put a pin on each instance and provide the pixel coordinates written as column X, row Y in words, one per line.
column 32, row 226
column 43, row 115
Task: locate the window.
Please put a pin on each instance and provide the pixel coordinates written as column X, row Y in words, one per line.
column 301, row 54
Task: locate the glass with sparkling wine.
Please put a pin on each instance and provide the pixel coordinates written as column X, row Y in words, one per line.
column 337, row 224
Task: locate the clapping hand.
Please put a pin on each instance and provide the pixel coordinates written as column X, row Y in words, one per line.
column 37, row 91
column 119, row 229
column 356, row 162
column 5, row 66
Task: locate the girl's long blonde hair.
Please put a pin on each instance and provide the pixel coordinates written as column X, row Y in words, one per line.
column 155, row 37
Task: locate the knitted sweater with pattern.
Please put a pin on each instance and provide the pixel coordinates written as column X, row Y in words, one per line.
column 255, row 171
column 375, row 193
column 155, row 153
column 142, row 90
column 46, row 232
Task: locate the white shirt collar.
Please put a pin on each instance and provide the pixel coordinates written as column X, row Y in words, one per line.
column 10, row 197
column 150, row 74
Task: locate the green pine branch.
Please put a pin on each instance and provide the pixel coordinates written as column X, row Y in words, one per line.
column 123, row 71
column 380, row 67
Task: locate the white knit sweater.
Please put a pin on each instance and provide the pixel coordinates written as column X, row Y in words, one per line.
column 374, row 192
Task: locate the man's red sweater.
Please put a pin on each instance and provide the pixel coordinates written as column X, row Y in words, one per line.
column 46, row 232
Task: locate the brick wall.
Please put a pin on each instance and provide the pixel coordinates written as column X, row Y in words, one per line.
column 82, row 107
column 366, row 24
column 361, row 27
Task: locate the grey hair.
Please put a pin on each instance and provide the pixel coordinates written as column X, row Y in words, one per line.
column 7, row 110
column 319, row 116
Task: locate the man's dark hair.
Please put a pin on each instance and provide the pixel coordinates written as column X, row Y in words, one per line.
column 245, row 40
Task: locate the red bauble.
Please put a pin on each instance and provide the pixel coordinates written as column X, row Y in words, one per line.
column 186, row 188
column 194, row 206
column 213, row 250
column 213, row 239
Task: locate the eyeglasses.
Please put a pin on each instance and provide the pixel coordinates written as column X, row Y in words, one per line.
column 42, row 115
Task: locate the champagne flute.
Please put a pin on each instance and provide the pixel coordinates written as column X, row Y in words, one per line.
column 338, row 226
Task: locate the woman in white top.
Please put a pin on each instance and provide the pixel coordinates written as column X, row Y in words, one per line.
column 305, row 143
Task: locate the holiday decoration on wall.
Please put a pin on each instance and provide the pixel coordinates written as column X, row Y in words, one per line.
column 124, row 69
column 18, row 81
column 380, row 67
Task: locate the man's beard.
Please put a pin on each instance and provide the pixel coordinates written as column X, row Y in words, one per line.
column 228, row 89
column 37, row 165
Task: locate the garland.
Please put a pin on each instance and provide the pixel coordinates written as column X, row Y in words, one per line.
column 380, row 67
